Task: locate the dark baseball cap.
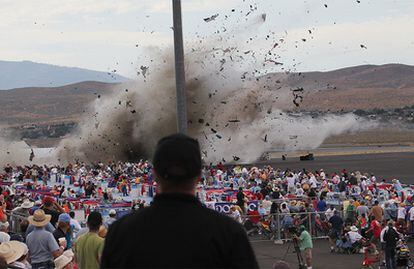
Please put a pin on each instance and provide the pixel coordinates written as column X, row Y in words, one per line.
column 177, row 158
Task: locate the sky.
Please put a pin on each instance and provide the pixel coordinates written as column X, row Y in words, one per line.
column 109, row 35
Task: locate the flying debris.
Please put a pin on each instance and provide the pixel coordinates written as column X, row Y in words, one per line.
column 144, row 70
column 211, row 18
column 297, row 97
column 32, row 155
column 235, row 158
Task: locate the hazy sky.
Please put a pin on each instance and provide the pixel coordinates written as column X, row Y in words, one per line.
column 104, row 34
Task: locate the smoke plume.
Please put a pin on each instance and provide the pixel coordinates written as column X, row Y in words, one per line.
column 235, row 106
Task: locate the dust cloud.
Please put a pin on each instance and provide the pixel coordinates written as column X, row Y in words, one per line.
column 236, row 105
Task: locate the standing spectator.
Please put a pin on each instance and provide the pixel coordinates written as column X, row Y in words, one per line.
column 350, row 212
column 362, row 209
column 411, row 219
column 375, row 231
column 306, row 245
column 235, row 214
column 111, row 219
column 177, row 231
column 23, row 209
column 74, row 224
column 63, row 230
column 43, row 247
column 390, row 238
column 336, row 224
column 401, row 214
column 321, row 206
column 89, row 246
column 3, row 205
column 52, row 208
column 240, row 199
column 387, row 212
column 377, row 211
column 330, row 212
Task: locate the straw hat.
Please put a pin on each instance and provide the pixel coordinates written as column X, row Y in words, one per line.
column 354, row 229
column 68, row 253
column 27, row 204
column 62, row 261
column 12, row 251
column 39, row 218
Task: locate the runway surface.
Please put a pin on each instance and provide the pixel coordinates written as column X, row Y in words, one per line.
column 267, row 253
column 383, row 165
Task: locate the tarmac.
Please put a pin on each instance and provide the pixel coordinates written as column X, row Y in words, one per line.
column 267, row 253
column 399, row 165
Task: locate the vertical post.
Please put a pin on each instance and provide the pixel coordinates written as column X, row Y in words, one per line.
column 278, row 240
column 179, row 69
column 310, row 223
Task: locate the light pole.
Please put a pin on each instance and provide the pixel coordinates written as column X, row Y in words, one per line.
column 179, row 68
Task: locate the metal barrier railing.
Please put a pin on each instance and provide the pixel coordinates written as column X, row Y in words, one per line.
column 258, row 227
column 275, row 226
column 14, row 219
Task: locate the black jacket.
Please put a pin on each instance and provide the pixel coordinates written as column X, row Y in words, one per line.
column 177, row 231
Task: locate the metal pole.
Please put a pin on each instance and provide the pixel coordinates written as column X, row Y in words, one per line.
column 179, row 69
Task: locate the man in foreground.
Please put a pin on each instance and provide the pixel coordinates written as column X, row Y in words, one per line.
column 177, row 231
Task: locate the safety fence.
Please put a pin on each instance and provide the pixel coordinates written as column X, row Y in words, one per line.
column 16, row 222
column 280, row 226
column 277, row 227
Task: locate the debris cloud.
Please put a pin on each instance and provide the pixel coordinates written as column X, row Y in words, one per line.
column 236, row 105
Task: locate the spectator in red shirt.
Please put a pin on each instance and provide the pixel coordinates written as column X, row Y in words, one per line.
column 375, row 230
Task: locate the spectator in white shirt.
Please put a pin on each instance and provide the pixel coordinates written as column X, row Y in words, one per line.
column 74, row 223
column 411, row 218
column 354, row 235
column 290, row 183
column 330, row 212
column 401, row 213
column 235, row 214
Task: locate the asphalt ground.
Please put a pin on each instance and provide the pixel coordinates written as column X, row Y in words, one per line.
column 267, row 253
column 383, row 165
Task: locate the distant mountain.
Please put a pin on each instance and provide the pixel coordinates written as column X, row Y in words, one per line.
column 364, row 76
column 30, row 74
column 56, row 104
column 358, row 87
